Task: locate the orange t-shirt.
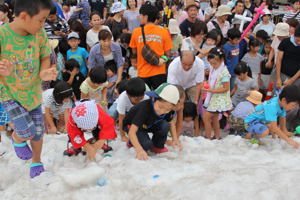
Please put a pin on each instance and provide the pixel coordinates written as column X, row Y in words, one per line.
column 159, row 41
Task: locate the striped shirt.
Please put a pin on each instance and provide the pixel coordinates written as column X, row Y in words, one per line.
column 290, row 15
column 60, row 24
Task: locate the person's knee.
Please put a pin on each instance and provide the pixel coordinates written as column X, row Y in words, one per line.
column 146, row 144
column 164, row 128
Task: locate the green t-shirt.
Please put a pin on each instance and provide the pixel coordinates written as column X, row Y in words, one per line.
column 25, row 53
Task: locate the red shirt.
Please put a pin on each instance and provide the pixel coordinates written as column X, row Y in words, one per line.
column 105, row 123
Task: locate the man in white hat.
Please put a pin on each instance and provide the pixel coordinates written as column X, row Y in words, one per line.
column 221, row 22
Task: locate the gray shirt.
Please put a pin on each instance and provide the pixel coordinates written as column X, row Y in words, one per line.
column 242, row 90
column 253, row 62
column 132, row 18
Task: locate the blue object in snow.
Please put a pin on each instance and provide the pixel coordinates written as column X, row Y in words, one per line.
column 155, row 176
column 101, row 182
column 107, row 155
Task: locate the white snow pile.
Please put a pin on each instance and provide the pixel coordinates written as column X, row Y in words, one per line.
column 231, row 169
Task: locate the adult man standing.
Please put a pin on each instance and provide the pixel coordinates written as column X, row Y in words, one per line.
column 188, row 72
column 192, row 10
column 158, row 39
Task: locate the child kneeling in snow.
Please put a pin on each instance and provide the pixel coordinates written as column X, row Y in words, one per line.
column 88, row 116
column 264, row 120
column 155, row 116
column 242, row 110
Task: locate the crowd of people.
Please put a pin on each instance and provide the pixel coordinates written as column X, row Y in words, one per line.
column 121, row 70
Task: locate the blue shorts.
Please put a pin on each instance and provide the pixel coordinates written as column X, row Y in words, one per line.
column 26, row 124
column 256, row 127
column 112, row 111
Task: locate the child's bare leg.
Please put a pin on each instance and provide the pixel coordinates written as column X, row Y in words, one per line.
column 207, row 124
column 36, row 150
column 61, row 123
column 216, row 126
column 197, row 127
column 264, row 134
column 248, row 136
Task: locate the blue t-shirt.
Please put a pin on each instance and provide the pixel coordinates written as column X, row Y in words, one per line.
column 267, row 112
column 231, row 57
column 79, row 55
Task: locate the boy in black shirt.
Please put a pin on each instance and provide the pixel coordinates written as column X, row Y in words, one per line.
column 72, row 75
column 152, row 115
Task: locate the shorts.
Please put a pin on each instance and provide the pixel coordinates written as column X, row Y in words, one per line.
column 112, row 111
column 3, row 116
column 256, row 127
column 26, row 123
column 236, row 123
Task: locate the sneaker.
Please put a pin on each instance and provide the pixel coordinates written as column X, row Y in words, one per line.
column 72, row 151
column 159, row 150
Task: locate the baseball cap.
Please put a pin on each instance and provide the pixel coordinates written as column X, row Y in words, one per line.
column 167, row 92
column 73, row 35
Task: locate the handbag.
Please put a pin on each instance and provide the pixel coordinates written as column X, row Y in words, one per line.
column 148, row 54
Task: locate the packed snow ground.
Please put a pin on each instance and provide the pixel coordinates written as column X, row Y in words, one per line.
column 231, row 168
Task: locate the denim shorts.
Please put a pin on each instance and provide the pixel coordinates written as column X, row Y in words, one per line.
column 26, row 123
column 256, row 127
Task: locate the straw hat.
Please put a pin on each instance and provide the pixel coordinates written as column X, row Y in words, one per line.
column 255, row 97
column 223, row 10
column 173, row 27
column 282, row 29
column 190, row 3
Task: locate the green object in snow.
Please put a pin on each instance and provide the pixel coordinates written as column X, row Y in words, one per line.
column 254, row 141
column 297, row 131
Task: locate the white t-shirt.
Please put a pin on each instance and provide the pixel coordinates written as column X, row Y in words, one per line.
column 92, row 36
column 124, row 104
column 269, row 28
column 49, row 102
column 132, row 72
column 186, row 79
column 188, row 45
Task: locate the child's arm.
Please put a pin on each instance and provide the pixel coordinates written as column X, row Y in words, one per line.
column 270, row 58
column 198, row 92
column 141, row 154
column 282, row 123
column 278, row 69
column 66, row 118
column 175, row 135
column 47, row 73
column 221, row 90
column 122, row 132
column 234, row 90
column 111, row 84
column 104, row 97
column 50, row 121
column 275, row 129
column 179, row 123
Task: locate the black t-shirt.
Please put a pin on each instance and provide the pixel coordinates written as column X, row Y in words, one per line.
column 98, row 5
column 186, row 27
column 117, row 27
column 78, row 79
column 144, row 116
column 291, row 57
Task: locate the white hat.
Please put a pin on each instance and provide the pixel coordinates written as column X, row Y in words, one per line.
column 282, row 29
column 86, row 115
column 117, row 7
column 266, row 12
column 73, row 35
column 173, row 27
column 168, row 93
column 223, row 10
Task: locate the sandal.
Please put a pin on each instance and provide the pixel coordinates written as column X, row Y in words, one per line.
column 22, row 150
column 36, row 169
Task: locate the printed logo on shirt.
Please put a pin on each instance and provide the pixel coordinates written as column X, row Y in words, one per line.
column 78, row 140
column 235, row 52
column 151, row 38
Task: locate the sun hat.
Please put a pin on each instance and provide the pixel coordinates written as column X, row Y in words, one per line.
column 282, row 29
column 255, row 97
column 223, row 10
column 266, row 12
column 190, row 3
column 73, row 35
column 173, row 27
column 86, row 115
column 117, row 7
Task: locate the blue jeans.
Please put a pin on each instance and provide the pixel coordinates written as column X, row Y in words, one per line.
column 112, row 111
